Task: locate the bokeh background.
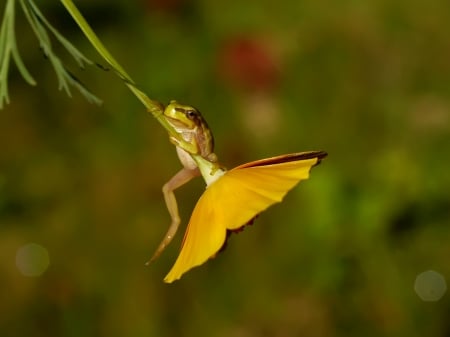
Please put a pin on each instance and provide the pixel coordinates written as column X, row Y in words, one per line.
column 369, row 82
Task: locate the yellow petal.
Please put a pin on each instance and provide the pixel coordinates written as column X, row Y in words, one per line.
column 233, row 200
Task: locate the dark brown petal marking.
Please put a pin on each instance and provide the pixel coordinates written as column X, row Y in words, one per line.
column 237, row 230
column 287, row 158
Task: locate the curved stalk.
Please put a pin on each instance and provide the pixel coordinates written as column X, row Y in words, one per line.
column 154, row 107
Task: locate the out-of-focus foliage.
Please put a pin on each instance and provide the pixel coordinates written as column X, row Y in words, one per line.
column 369, row 82
column 42, row 29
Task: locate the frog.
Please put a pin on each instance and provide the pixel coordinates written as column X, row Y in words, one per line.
column 194, row 144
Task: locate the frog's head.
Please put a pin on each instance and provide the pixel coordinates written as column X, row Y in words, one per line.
column 182, row 116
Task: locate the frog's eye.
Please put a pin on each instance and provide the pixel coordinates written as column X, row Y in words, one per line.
column 191, row 114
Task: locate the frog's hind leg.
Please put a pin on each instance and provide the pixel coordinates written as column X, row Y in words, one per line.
column 179, row 179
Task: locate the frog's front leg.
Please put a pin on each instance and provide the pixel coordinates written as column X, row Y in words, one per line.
column 187, row 145
column 179, row 179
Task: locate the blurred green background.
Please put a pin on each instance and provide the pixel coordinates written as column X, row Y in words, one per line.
column 369, row 82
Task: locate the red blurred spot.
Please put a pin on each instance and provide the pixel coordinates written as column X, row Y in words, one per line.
column 248, row 64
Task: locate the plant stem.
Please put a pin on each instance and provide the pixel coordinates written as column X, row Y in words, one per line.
column 154, row 107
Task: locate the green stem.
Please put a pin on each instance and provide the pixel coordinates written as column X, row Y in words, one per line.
column 154, row 107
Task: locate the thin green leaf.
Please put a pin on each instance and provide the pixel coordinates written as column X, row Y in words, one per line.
column 76, row 54
column 65, row 79
column 8, row 47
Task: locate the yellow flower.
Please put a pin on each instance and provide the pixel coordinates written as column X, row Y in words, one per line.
column 234, row 199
